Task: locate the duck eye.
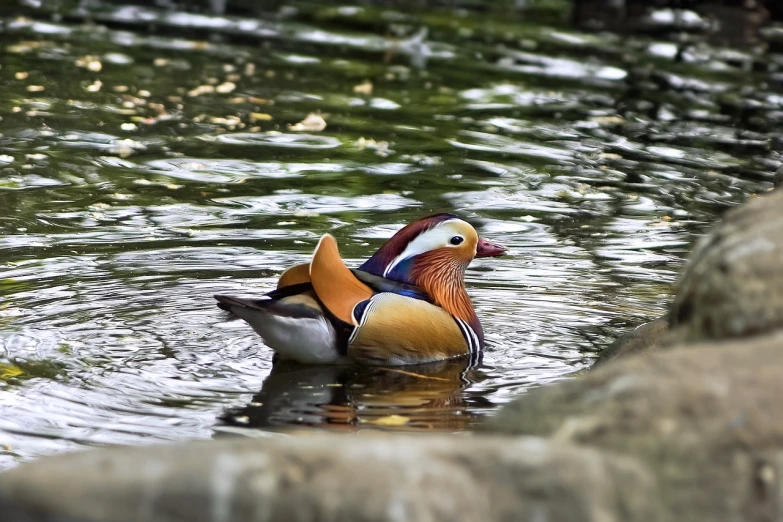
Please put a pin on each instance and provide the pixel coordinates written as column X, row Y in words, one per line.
column 456, row 240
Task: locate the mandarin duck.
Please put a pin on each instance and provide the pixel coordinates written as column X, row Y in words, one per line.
column 407, row 304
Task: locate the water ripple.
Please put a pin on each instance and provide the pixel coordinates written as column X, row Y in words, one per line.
column 293, row 141
column 151, row 162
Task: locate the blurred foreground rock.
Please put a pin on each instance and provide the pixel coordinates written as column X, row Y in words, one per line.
column 328, row 477
column 706, row 420
column 641, row 339
column 733, row 285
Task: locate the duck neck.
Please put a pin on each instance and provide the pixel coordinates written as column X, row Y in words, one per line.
column 442, row 277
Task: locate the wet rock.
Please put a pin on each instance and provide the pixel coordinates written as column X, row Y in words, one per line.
column 706, row 419
column 332, row 478
column 640, row 340
column 733, row 285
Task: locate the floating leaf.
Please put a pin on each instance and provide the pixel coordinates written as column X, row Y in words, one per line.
column 9, row 371
column 389, row 420
column 312, row 123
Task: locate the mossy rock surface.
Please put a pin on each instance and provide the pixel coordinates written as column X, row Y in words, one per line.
column 705, row 419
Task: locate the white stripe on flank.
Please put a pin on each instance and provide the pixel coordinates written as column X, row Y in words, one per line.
column 466, row 332
column 473, row 341
column 476, row 341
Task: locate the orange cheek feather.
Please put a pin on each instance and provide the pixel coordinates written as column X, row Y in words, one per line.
column 441, row 274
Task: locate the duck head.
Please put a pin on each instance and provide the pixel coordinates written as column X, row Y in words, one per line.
column 433, row 253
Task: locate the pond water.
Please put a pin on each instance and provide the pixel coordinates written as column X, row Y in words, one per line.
column 151, row 158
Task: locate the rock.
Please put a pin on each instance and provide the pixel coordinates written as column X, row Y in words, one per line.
column 733, row 285
column 640, row 340
column 777, row 180
column 706, row 420
column 335, row 478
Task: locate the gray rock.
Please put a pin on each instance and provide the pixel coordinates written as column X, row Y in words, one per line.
column 706, row 420
column 733, row 285
column 333, row 478
column 641, row 339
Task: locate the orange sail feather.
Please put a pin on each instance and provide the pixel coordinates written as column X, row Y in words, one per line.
column 334, row 284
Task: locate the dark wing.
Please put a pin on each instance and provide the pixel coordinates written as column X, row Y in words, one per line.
column 381, row 284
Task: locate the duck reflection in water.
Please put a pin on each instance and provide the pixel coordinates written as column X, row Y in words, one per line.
column 421, row 397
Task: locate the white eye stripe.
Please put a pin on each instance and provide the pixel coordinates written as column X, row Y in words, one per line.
column 438, row 236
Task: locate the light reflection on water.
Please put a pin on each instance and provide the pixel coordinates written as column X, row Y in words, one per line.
column 137, row 188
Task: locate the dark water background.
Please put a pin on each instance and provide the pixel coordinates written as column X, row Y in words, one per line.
column 148, row 161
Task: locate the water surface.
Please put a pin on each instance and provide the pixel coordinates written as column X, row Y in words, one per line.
column 151, row 158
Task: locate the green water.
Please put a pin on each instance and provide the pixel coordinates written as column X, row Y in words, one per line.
column 149, row 159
